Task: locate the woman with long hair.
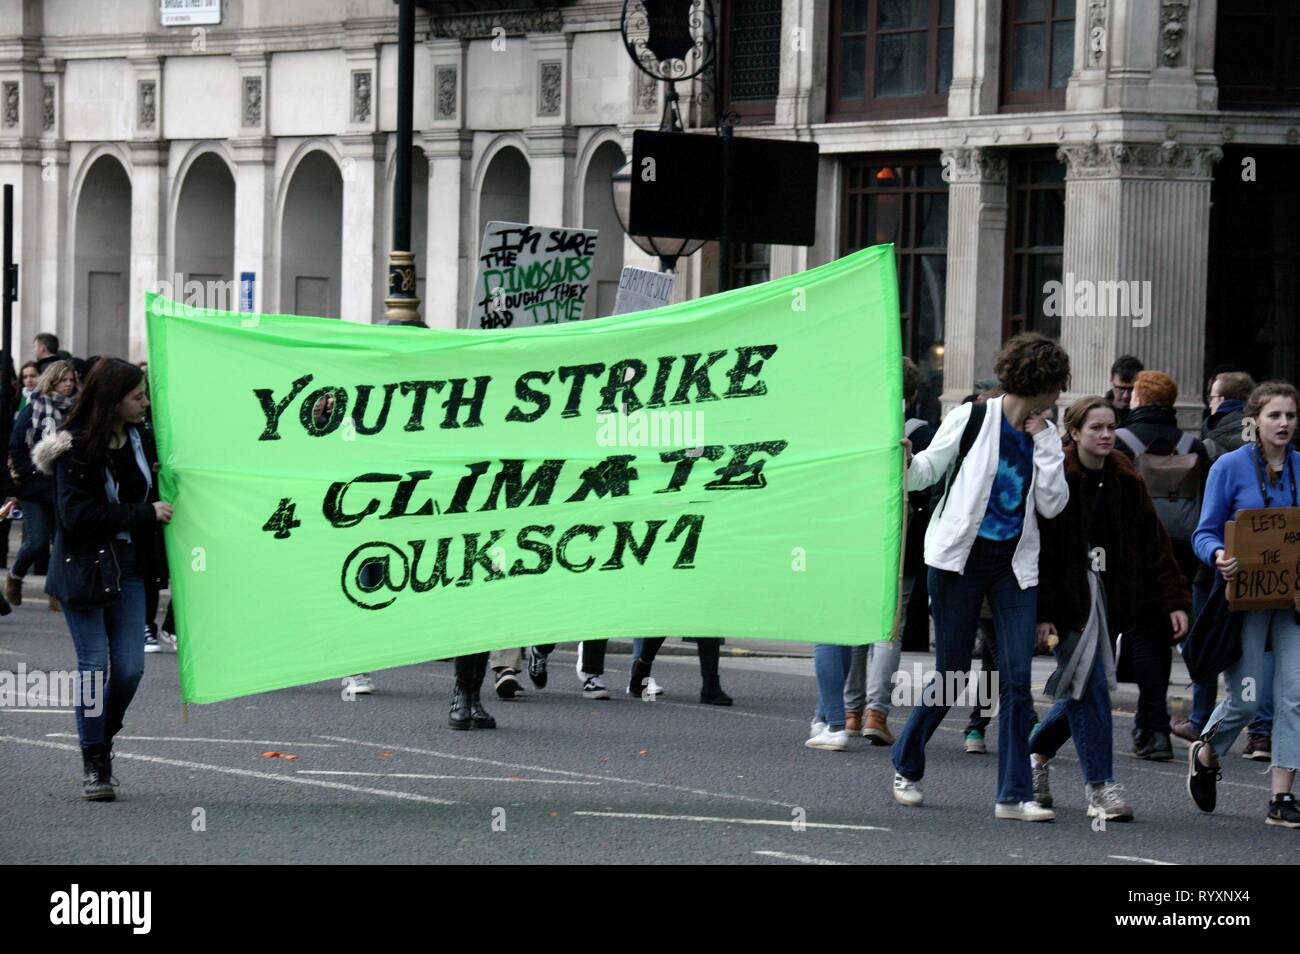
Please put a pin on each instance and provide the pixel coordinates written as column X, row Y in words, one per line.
column 50, row 402
column 1261, row 473
column 107, row 544
column 1106, row 566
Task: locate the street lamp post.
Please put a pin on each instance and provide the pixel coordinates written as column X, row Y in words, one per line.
column 402, row 307
column 671, row 41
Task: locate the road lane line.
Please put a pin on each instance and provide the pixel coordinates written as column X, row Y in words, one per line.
column 440, row 778
column 802, row 859
column 1145, row 861
column 245, row 773
column 186, row 738
column 552, row 771
column 57, row 711
column 779, row 823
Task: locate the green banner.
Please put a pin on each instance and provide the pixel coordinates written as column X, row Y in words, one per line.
column 351, row 497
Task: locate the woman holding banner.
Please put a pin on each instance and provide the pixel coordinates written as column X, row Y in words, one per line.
column 1105, row 566
column 107, row 544
column 1259, row 474
column 1003, row 465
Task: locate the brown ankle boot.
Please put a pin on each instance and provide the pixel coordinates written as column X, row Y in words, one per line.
column 877, row 728
column 853, row 721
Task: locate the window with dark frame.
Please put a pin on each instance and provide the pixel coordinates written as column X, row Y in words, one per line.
column 1257, row 54
column 1035, row 241
column 751, row 50
column 904, row 200
column 1038, row 53
column 890, row 58
column 751, row 263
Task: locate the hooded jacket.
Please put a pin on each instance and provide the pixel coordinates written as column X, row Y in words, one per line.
column 1138, row 571
column 1221, row 431
column 87, row 522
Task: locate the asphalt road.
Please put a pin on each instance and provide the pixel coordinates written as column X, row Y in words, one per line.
column 562, row 780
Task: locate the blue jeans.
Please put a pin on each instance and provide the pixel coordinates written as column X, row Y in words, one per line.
column 1203, row 694
column 110, row 648
column 955, row 600
column 38, row 524
column 832, row 666
column 1088, row 721
column 1259, row 676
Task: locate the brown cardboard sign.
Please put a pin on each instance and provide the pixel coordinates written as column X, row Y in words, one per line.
column 1266, row 543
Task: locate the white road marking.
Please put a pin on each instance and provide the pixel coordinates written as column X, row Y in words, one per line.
column 802, row 859
column 186, row 738
column 439, row 778
column 552, row 771
column 789, row 823
column 59, row 711
column 1147, row 861
column 244, row 773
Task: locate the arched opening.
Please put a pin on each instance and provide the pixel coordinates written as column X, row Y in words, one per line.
column 598, row 213
column 205, row 232
column 311, row 239
column 102, row 259
column 504, row 196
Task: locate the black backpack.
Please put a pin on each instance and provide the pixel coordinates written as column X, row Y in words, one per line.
column 968, row 435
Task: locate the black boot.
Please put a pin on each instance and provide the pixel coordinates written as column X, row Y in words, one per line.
column 711, row 693
column 640, row 672
column 97, row 777
column 459, row 716
column 478, row 715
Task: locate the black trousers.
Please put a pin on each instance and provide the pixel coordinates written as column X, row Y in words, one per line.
column 470, row 671
column 710, row 651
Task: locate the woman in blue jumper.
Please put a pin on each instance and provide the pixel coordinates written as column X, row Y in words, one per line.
column 1262, row 473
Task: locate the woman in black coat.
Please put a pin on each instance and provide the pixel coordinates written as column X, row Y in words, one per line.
column 107, row 544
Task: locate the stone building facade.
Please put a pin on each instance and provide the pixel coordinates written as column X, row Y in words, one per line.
column 1137, row 156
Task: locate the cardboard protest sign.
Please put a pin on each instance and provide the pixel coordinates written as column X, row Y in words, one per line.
column 365, row 497
column 1266, row 543
column 531, row 275
column 640, row 289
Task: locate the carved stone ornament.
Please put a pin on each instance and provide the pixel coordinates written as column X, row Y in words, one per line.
column 974, row 164
column 148, row 110
column 549, row 74
column 47, row 108
column 1096, row 32
column 1173, row 30
column 647, row 92
column 361, row 96
column 475, row 26
column 1168, row 159
column 445, row 83
column 252, row 100
column 10, row 104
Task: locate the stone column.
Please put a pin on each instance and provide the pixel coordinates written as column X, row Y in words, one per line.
column 447, row 146
column 363, row 283
column 148, row 194
column 801, row 96
column 254, row 153
column 1137, row 214
column 552, row 142
column 50, row 296
column 976, row 57
column 977, row 234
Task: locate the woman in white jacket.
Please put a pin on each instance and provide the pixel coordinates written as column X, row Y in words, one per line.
column 983, row 542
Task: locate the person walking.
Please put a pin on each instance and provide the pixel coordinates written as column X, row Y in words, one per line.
column 1259, row 474
column 107, row 544
column 1004, row 468
column 1104, row 561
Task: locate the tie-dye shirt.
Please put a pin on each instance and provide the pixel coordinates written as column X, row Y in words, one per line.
column 1005, row 514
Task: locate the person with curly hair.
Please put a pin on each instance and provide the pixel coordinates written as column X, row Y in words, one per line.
column 983, row 541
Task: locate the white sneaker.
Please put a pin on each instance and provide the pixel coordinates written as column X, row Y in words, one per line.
column 593, row 688
column 359, row 684
column 830, row 741
column 1107, row 801
column 651, row 688
column 167, row 640
column 907, row 792
column 1024, row 811
column 816, row 729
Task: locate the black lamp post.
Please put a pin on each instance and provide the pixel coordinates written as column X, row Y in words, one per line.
column 402, row 307
column 671, row 41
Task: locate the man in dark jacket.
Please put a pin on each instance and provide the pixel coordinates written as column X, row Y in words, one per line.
column 1122, row 375
column 1221, row 432
column 35, row 493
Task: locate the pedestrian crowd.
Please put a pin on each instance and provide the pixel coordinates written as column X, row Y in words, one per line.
column 1100, row 539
